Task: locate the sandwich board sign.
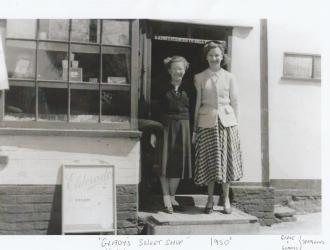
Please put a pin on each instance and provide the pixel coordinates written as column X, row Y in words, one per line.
column 88, row 199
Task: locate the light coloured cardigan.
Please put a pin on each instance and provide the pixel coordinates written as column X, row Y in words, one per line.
column 219, row 98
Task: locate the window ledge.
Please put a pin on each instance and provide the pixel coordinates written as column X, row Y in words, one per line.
column 300, row 79
column 71, row 132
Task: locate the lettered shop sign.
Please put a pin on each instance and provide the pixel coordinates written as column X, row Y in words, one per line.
column 88, row 199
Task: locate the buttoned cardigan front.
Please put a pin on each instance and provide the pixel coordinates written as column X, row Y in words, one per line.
column 219, row 98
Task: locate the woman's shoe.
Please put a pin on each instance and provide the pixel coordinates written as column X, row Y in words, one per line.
column 173, row 201
column 167, row 204
column 207, row 209
column 168, row 210
column 227, row 210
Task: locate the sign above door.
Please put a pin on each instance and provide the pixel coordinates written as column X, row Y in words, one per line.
column 183, row 39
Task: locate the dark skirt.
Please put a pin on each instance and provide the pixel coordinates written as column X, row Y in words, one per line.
column 176, row 161
column 218, row 155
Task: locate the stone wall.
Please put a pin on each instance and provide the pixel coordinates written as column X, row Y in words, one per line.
column 36, row 209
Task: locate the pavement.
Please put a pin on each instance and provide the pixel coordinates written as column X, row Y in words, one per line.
column 305, row 224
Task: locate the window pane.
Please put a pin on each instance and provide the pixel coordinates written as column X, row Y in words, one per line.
column 85, row 30
column 56, row 29
column 116, row 65
column 20, row 103
column 21, row 28
column 85, row 59
column 299, row 66
column 51, row 60
column 52, row 104
column 20, row 59
column 317, row 67
column 116, row 106
column 84, row 105
column 116, row 32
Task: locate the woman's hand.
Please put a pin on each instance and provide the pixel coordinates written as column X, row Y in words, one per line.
column 153, row 140
column 193, row 140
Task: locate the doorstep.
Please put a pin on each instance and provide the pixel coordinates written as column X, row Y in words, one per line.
column 191, row 221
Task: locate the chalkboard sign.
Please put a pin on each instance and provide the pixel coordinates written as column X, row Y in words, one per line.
column 88, row 199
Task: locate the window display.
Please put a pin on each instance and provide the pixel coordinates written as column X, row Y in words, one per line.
column 46, row 84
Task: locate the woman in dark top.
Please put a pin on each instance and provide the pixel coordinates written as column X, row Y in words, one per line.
column 174, row 115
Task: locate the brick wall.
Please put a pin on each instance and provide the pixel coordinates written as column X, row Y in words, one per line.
column 36, row 209
column 301, row 200
column 255, row 200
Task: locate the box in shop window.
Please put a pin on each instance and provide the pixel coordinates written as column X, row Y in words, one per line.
column 117, row 80
column 75, row 74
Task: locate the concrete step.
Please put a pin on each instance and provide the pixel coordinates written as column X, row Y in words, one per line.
column 281, row 211
column 192, row 221
column 285, row 214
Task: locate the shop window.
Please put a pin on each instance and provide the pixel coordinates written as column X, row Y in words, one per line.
column 302, row 67
column 69, row 71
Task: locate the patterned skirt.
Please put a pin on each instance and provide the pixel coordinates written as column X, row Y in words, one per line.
column 218, row 156
column 176, row 160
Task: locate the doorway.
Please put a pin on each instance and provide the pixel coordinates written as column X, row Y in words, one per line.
column 166, row 40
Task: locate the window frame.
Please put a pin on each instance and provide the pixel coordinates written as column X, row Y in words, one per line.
column 131, row 88
column 301, row 55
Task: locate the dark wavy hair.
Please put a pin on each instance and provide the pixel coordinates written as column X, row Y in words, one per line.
column 216, row 44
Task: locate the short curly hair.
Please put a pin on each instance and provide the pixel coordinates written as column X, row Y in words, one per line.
column 169, row 60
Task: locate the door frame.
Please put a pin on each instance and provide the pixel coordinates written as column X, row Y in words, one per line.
column 146, row 38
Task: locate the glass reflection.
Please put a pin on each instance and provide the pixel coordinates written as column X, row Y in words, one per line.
column 85, row 30
column 116, row 32
column 20, row 59
column 21, row 28
column 51, row 61
column 115, row 65
column 20, row 103
column 116, row 106
column 52, row 104
column 54, row 29
column 84, row 106
column 85, row 60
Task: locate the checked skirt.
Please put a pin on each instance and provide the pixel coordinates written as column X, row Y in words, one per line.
column 218, row 156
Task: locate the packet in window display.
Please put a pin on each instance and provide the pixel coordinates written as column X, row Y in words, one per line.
column 117, row 80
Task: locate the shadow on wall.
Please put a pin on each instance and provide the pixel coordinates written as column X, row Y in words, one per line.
column 299, row 82
column 55, row 222
column 242, row 32
column 3, row 161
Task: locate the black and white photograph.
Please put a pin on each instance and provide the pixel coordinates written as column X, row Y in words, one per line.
column 152, row 125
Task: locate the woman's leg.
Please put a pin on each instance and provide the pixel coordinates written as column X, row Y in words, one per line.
column 209, row 205
column 173, row 186
column 166, row 192
column 226, row 205
column 210, row 190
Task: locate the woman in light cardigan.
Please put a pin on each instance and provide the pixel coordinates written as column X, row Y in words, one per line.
column 218, row 155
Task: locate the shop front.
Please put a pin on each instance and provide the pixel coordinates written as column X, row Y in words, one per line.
column 74, row 98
